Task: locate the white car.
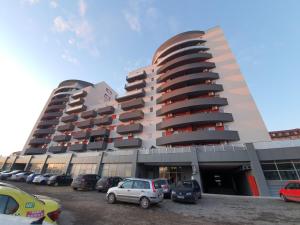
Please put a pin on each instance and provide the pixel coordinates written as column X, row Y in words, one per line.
column 42, row 179
column 18, row 220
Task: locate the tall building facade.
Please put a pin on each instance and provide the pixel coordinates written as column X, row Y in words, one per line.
column 188, row 114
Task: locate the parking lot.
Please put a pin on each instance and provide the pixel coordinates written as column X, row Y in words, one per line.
column 90, row 207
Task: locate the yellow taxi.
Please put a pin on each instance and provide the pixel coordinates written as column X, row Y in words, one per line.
column 14, row 201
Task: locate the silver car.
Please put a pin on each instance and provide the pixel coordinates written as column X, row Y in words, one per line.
column 135, row 190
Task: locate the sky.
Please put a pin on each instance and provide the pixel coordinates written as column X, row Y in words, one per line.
column 43, row 42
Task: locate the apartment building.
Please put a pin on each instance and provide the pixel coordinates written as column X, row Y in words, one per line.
column 188, row 114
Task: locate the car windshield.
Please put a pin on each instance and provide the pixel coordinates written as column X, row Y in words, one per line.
column 185, row 184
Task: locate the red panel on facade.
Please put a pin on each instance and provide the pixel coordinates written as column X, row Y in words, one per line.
column 253, row 185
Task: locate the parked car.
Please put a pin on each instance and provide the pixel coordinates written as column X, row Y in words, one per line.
column 5, row 171
column 42, row 179
column 20, row 176
column 163, row 184
column 135, row 190
column 18, row 220
column 14, row 201
column 60, row 180
column 291, row 191
column 31, row 177
column 85, row 181
column 187, row 191
column 107, row 182
column 5, row 176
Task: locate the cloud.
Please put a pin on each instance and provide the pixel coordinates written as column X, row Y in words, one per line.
column 69, row 58
column 54, row 4
column 82, row 7
column 31, row 2
column 60, row 24
column 133, row 21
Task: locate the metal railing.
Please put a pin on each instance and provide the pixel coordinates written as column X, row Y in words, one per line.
column 277, row 144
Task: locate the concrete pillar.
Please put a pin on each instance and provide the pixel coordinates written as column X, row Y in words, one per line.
column 257, row 170
column 13, row 161
column 99, row 165
column 134, row 169
column 44, row 164
column 195, row 167
column 6, row 158
column 68, row 163
column 27, row 167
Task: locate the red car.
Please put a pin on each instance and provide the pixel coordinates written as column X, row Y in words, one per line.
column 291, row 191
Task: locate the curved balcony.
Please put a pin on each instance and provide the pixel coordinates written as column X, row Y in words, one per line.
column 134, row 115
column 38, row 141
column 194, row 119
column 187, row 80
column 61, row 138
column 103, row 121
column 135, row 85
column 180, row 61
column 35, row 151
column 57, row 149
column 54, row 108
column 102, row 132
column 85, row 124
column 189, row 91
column 47, row 123
column 99, row 145
column 183, row 43
column 130, row 129
column 76, row 101
column 51, row 115
column 133, row 104
column 106, row 110
column 131, row 95
column 190, row 104
column 62, row 94
column 136, row 75
column 43, row 132
column 66, row 127
column 181, row 52
column 198, row 137
column 186, row 69
column 128, row 143
column 79, row 94
column 70, row 118
column 76, row 109
column 58, row 101
column 80, row 135
column 77, row 148
column 89, row 114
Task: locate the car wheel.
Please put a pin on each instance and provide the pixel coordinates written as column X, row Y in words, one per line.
column 43, row 182
column 145, row 203
column 111, row 198
column 56, row 184
column 74, row 188
column 283, row 198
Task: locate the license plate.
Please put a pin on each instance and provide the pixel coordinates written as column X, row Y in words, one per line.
column 180, row 197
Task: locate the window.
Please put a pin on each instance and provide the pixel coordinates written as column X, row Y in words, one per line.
column 151, row 98
column 139, row 184
column 128, row 184
column 8, row 205
column 152, row 79
column 152, row 88
column 281, row 170
column 121, row 170
column 151, row 109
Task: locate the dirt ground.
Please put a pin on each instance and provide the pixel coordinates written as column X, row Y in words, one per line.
column 90, row 207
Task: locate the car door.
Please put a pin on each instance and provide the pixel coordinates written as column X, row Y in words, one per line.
column 297, row 192
column 124, row 192
column 288, row 190
column 138, row 190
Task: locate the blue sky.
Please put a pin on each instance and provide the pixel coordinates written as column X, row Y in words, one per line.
column 44, row 42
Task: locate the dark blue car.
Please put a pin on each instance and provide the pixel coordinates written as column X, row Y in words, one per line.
column 31, row 177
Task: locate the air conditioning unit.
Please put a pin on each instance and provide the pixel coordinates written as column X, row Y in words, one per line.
column 220, row 124
column 211, row 94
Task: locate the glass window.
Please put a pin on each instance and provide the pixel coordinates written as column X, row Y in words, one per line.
column 288, row 175
column 12, row 206
column 268, row 166
column 285, row 166
column 139, row 184
column 3, row 202
column 128, row 184
column 272, row 175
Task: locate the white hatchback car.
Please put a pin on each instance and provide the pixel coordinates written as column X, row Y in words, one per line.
column 135, row 190
column 42, row 179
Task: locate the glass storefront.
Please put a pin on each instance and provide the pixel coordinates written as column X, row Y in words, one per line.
column 281, row 170
column 36, row 167
column 55, row 168
column 121, row 170
column 175, row 173
column 79, row 168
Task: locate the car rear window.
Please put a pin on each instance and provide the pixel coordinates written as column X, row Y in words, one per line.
column 186, row 184
column 139, row 184
column 159, row 183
